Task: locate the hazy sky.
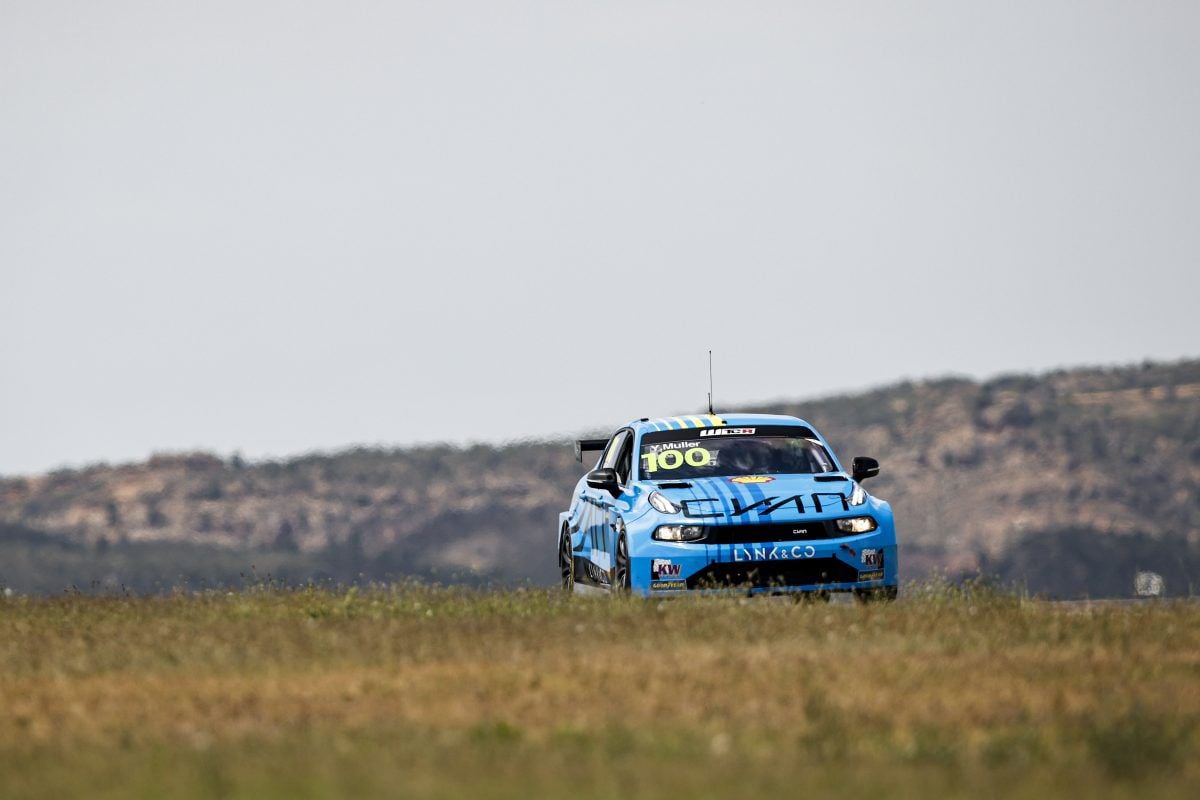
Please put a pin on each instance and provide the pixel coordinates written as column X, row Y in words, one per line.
column 279, row 226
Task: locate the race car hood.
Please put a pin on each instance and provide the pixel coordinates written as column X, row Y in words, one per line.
column 775, row 498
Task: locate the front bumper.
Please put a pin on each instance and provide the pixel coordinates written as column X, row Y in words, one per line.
column 866, row 561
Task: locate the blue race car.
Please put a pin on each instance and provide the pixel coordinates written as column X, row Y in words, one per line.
column 752, row 502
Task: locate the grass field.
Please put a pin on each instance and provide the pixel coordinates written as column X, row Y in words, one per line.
column 423, row 692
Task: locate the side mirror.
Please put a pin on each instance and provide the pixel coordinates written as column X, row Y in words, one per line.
column 865, row 468
column 605, row 479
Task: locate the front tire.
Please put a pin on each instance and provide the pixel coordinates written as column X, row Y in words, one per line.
column 621, row 572
column 566, row 561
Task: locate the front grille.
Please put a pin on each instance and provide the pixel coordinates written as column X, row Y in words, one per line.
column 774, row 532
column 765, row 574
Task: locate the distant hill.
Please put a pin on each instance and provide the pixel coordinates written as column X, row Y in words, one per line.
column 1068, row 482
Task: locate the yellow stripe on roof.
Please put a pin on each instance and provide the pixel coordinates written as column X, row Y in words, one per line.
column 689, row 421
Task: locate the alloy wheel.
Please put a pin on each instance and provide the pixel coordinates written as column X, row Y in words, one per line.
column 620, row 580
column 566, row 562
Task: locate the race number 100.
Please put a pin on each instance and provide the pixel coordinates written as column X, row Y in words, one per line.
column 674, row 459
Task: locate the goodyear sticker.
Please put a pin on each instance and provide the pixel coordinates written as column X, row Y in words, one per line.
column 751, row 479
column 873, row 575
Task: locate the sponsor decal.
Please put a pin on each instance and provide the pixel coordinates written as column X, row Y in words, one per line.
column 774, row 553
column 751, row 479
column 658, row 586
column 702, row 507
column 872, row 557
column 727, row 432
column 873, row 575
column 658, row 448
column 663, row 568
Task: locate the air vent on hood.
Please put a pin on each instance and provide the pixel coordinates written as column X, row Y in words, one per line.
column 675, row 485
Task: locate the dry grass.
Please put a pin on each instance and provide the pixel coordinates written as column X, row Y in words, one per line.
column 425, row 692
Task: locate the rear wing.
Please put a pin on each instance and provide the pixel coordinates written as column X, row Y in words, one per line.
column 582, row 445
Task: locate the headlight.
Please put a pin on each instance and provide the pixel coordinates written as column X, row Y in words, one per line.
column 856, row 525
column 858, row 496
column 661, row 503
column 679, row 533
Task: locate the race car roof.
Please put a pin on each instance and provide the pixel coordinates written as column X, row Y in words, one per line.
column 713, row 421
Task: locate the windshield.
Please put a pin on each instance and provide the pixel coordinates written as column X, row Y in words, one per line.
column 720, row 452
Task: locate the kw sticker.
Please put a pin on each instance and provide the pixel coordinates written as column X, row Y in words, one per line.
column 663, row 568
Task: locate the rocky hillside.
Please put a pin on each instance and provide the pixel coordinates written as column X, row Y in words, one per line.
column 1068, row 481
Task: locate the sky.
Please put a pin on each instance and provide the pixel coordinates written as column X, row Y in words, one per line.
column 274, row 227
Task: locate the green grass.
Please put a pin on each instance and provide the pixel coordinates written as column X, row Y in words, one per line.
column 422, row 692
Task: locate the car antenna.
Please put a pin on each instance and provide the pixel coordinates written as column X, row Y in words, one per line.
column 710, row 408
